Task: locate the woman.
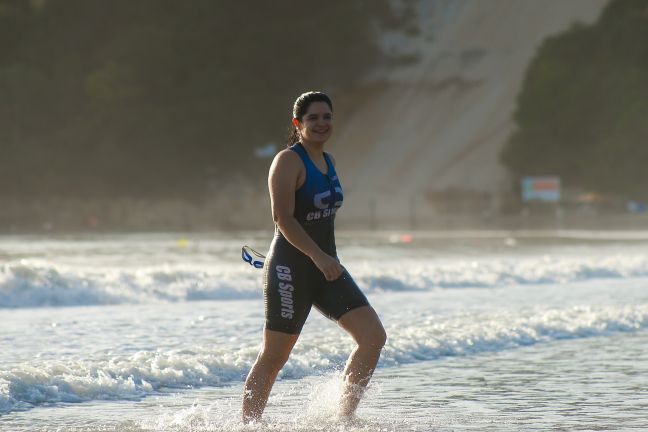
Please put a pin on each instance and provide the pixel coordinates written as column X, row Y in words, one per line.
column 302, row 268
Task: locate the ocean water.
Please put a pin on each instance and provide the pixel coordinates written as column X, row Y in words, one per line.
column 499, row 331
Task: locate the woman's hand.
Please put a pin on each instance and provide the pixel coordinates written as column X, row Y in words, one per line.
column 329, row 266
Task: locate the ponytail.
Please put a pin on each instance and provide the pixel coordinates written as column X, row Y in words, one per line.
column 293, row 135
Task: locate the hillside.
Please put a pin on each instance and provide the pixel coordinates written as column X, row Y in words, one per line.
column 441, row 123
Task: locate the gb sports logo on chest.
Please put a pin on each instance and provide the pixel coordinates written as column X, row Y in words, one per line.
column 321, row 201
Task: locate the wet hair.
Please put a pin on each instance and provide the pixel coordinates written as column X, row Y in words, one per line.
column 301, row 107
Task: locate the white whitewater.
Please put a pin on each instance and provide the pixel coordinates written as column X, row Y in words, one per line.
column 158, row 332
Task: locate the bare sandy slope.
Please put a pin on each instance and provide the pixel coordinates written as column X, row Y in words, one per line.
column 441, row 123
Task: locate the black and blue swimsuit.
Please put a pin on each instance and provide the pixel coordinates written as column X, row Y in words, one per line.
column 292, row 282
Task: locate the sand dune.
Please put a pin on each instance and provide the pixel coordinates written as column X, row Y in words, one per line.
column 441, row 123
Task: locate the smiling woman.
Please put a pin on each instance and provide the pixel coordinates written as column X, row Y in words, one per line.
column 312, row 115
column 302, row 268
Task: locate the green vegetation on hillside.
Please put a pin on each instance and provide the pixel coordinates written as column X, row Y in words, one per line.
column 583, row 110
column 161, row 97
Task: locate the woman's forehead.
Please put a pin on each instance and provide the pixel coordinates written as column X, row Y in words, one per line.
column 318, row 107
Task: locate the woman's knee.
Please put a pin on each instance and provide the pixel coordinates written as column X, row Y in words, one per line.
column 376, row 338
column 274, row 360
column 380, row 337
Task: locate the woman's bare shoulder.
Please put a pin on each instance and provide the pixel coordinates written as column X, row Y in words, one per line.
column 286, row 161
column 287, row 155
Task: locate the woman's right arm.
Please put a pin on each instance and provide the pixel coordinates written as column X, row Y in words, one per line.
column 282, row 182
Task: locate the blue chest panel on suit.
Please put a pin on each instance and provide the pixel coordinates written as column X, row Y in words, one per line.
column 318, row 199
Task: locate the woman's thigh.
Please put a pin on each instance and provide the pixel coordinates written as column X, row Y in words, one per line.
column 363, row 324
column 339, row 297
column 287, row 292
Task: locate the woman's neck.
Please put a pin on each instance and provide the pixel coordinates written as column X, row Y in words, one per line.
column 314, row 148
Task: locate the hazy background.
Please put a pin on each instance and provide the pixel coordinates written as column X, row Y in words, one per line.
column 164, row 115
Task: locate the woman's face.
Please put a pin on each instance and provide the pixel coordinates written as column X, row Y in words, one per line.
column 317, row 124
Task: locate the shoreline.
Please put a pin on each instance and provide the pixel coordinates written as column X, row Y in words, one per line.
column 449, row 223
column 249, row 209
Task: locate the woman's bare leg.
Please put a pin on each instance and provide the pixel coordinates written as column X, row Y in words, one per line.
column 366, row 329
column 272, row 357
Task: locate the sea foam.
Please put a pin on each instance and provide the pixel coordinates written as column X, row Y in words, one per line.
column 29, row 283
column 131, row 377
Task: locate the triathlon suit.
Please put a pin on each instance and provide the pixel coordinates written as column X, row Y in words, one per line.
column 292, row 282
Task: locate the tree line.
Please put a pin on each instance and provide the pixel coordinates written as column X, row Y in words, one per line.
column 160, row 97
column 583, row 109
